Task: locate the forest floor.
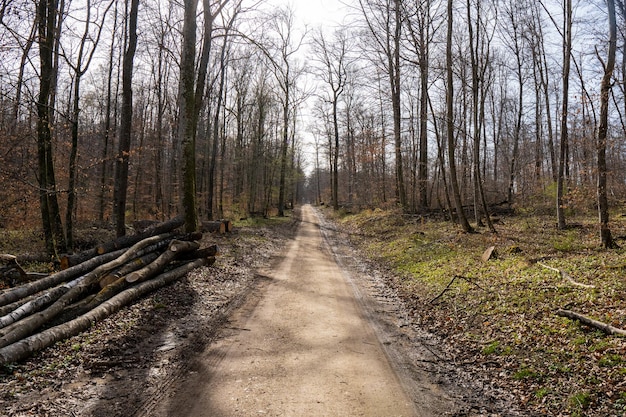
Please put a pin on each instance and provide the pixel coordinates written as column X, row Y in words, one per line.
column 497, row 318
column 483, row 334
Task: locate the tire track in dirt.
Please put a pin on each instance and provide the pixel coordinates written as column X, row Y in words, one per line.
column 305, row 347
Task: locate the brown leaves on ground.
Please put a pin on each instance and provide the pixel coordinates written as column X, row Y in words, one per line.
column 122, row 365
column 499, row 316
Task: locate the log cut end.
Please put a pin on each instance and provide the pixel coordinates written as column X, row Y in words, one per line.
column 213, row 227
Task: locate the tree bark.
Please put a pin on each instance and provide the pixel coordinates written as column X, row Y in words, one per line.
column 175, row 249
column 31, row 324
column 31, row 288
column 24, row 348
column 606, row 328
column 123, row 156
column 462, row 218
column 605, row 90
column 186, row 105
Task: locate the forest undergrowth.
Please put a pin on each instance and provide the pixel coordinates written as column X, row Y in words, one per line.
column 499, row 315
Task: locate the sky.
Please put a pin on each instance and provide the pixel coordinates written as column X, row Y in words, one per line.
column 316, row 12
column 312, row 14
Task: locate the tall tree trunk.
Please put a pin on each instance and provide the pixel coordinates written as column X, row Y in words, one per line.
column 123, row 155
column 187, row 107
column 605, row 90
column 283, row 149
column 517, row 50
column 544, row 77
column 158, row 152
column 450, row 125
column 50, row 213
column 422, row 173
column 107, row 123
column 79, row 68
column 71, row 189
column 216, row 133
column 335, row 155
column 394, row 76
column 478, row 116
column 567, row 50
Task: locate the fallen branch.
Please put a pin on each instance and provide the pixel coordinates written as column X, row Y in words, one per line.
column 25, row 347
column 606, row 328
column 444, row 290
column 466, row 279
column 566, row 276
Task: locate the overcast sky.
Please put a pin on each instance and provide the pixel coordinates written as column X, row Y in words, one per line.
column 312, row 13
column 315, row 12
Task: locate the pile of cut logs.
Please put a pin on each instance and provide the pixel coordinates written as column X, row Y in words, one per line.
column 93, row 285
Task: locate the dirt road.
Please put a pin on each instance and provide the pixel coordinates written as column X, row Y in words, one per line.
column 305, row 349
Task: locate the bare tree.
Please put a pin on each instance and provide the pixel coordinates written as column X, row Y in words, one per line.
column 605, row 90
column 480, row 40
column 384, row 21
column 108, row 119
column 123, row 155
column 462, row 218
column 514, row 14
column 281, row 55
column 217, row 116
column 419, row 20
column 333, row 71
column 79, row 68
column 51, row 217
column 567, row 52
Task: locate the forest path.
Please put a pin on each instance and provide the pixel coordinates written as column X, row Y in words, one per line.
column 304, row 348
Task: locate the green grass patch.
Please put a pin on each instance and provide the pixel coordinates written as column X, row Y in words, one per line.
column 526, row 373
column 579, row 402
column 611, row 360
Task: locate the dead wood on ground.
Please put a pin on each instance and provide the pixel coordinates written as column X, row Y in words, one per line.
column 566, row 276
column 25, row 347
column 82, row 290
column 606, row 328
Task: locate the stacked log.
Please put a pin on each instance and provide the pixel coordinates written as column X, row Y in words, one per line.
column 69, row 301
column 121, row 242
column 218, row 227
